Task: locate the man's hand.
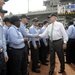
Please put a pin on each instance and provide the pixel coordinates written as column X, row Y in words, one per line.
column 37, row 36
column 64, row 46
column 46, row 45
column 6, row 58
column 25, row 39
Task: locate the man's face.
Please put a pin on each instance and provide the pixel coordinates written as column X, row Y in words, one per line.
column 3, row 23
column 25, row 20
column 52, row 19
column 8, row 24
column 17, row 23
column 2, row 15
column 47, row 24
column 2, row 3
column 36, row 23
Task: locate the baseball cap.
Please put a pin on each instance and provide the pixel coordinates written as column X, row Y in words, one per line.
column 3, row 11
column 14, row 19
column 45, row 21
column 24, row 16
column 51, row 15
column 35, row 20
column 6, row 0
column 6, row 19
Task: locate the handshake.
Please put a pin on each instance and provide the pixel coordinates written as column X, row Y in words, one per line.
column 37, row 36
column 25, row 38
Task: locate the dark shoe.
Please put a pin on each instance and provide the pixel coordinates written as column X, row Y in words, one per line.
column 61, row 71
column 38, row 66
column 47, row 60
column 68, row 62
column 39, row 61
column 36, row 70
column 45, row 64
column 51, row 73
column 27, row 73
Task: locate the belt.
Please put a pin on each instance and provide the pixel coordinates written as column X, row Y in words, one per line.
column 56, row 40
column 47, row 38
column 35, row 41
column 11, row 48
column 1, row 50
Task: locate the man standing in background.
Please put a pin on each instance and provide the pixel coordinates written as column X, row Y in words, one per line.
column 44, row 50
column 6, row 26
column 70, row 51
column 23, row 23
column 34, row 45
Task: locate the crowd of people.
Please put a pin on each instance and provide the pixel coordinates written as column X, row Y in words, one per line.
column 50, row 38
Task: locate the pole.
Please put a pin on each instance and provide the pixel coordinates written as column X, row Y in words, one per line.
column 28, row 5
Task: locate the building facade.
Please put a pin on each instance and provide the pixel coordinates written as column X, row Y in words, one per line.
column 65, row 9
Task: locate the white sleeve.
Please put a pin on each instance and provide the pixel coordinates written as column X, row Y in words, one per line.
column 64, row 34
column 45, row 33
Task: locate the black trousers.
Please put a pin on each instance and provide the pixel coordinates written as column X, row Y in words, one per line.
column 24, row 60
column 34, row 55
column 2, row 64
column 14, row 63
column 48, row 47
column 70, row 52
column 56, row 46
column 43, row 52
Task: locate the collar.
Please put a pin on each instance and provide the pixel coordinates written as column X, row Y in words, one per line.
column 54, row 22
column 44, row 26
column 15, row 27
column 6, row 26
column 22, row 24
column 34, row 26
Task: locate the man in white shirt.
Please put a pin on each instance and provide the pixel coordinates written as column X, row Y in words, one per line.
column 58, row 42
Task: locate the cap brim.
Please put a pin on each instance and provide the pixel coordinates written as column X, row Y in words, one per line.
column 35, row 20
column 6, row 0
column 28, row 18
column 51, row 16
column 4, row 11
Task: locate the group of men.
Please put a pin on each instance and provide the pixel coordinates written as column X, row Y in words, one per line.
column 50, row 38
column 70, row 51
column 17, row 37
